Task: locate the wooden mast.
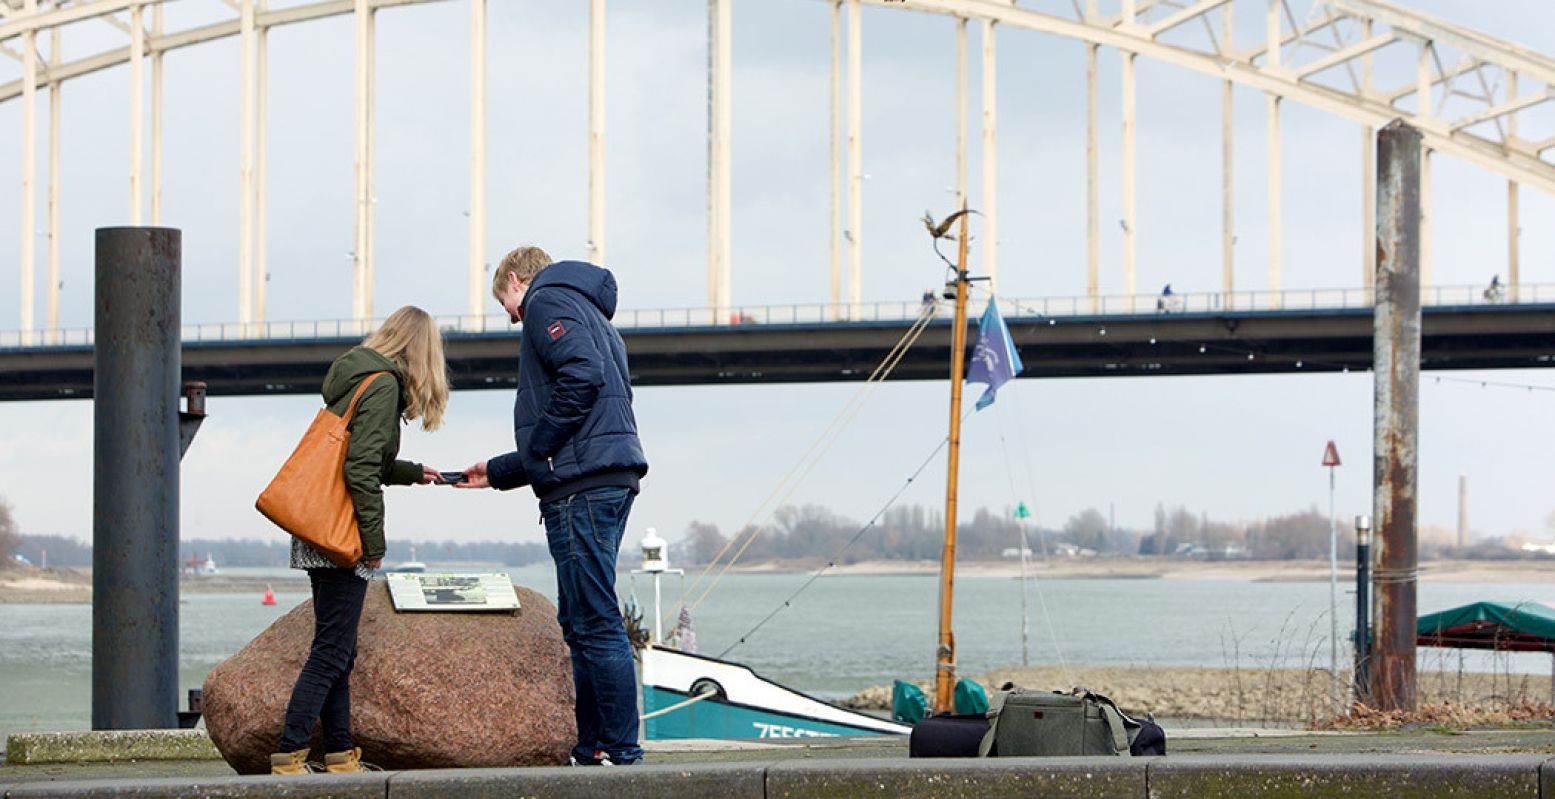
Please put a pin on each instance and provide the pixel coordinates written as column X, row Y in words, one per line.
column 945, row 664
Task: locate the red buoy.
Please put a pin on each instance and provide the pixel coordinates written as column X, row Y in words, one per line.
column 269, row 596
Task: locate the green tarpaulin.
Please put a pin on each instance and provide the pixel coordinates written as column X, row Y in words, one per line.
column 1502, row 626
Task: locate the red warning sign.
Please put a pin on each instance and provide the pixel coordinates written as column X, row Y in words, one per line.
column 1331, row 455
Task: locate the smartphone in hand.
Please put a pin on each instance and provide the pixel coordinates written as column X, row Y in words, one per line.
column 451, row 478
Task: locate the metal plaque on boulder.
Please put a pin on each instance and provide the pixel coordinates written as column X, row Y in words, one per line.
column 488, row 591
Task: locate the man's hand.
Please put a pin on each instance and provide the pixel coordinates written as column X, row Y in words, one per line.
column 428, row 475
column 475, row 477
column 372, row 563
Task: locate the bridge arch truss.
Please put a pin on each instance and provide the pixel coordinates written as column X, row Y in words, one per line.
column 1473, row 97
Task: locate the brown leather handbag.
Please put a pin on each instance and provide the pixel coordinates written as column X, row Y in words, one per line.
column 308, row 497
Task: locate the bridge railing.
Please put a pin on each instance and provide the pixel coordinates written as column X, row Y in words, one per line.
column 822, row 313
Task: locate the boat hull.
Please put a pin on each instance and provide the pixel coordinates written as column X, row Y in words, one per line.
column 745, row 705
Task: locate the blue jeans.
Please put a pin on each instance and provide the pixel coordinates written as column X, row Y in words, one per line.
column 584, row 532
column 323, row 689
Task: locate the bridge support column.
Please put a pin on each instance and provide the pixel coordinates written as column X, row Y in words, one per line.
column 156, row 113
column 719, row 58
column 961, row 196
column 1273, row 43
column 135, row 479
column 477, row 285
column 836, row 150
column 855, row 157
column 29, row 171
column 1396, row 375
column 1092, row 184
column 246, row 168
column 1130, row 178
column 56, row 93
column 1513, row 216
column 261, row 171
column 1368, row 181
column 597, row 131
column 137, row 90
column 1227, row 165
column 991, row 153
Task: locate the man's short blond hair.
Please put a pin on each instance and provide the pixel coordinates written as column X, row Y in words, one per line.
column 524, row 263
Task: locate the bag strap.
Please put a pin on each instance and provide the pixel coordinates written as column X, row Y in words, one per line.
column 351, row 409
column 1114, row 720
column 1117, row 723
column 995, row 707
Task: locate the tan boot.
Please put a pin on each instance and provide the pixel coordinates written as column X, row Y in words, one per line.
column 290, row 762
column 347, row 762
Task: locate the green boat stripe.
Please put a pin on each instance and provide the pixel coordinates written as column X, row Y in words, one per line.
column 782, row 713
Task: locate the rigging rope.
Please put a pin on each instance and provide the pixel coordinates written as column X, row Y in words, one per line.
column 844, row 417
column 845, row 547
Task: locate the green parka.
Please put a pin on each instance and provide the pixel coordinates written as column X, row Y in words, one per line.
column 375, row 437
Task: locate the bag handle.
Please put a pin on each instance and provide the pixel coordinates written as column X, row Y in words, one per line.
column 995, row 707
column 1117, row 723
column 1114, row 720
column 345, row 420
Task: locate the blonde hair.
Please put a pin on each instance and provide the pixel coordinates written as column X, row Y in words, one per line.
column 523, row 263
column 410, row 338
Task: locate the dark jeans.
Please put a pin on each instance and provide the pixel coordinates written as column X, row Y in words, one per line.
column 323, row 689
column 583, row 532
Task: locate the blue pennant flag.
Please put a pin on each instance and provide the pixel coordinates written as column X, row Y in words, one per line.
column 994, row 360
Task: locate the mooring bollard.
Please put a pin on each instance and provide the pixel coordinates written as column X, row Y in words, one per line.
column 136, row 450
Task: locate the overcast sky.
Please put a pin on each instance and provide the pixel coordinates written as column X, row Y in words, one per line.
column 1236, row 448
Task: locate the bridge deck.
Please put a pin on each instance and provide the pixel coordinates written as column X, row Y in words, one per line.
column 1247, row 342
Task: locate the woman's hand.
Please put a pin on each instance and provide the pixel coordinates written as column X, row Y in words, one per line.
column 475, row 477
column 372, row 563
column 428, row 475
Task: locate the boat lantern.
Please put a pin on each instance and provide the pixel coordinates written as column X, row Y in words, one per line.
column 654, row 560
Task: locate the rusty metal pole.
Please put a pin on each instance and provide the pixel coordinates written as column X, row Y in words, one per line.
column 1396, row 377
column 135, row 479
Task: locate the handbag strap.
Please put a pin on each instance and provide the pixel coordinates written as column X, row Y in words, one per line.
column 995, row 707
column 1118, row 724
column 351, row 409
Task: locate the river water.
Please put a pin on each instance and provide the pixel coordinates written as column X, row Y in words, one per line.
column 842, row 634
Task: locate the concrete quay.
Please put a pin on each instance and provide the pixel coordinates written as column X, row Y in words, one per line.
column 1200, row 763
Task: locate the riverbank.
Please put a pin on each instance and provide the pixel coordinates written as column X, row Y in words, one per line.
column 1156, row 568
column 31, row 585
column 24, row 585
column 1241, row 697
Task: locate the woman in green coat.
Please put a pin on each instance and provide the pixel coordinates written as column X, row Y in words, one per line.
column 408, row 350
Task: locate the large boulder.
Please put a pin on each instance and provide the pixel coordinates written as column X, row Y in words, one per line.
column 429, row 690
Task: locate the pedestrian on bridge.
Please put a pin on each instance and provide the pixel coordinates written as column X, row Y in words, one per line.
column 409, row 380
column 577, row 447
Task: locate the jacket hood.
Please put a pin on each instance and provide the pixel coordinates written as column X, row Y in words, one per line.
column 593, row 282
column 350, row 369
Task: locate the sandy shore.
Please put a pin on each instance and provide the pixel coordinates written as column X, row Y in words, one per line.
column 31, row 585
column 74, row 586
column 1246, row 696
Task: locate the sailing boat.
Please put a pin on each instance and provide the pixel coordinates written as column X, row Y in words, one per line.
column 687, row 695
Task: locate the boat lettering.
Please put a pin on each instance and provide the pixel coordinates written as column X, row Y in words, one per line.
column 785, row 731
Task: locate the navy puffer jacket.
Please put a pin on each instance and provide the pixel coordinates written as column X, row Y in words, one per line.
column 572, row 418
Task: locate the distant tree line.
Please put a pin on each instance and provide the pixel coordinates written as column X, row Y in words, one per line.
column 10, row 537
column 811, row 532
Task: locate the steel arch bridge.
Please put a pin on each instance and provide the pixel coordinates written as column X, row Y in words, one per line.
column 1474, row 97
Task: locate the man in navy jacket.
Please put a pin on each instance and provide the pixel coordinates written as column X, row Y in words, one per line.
column 577, row 447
